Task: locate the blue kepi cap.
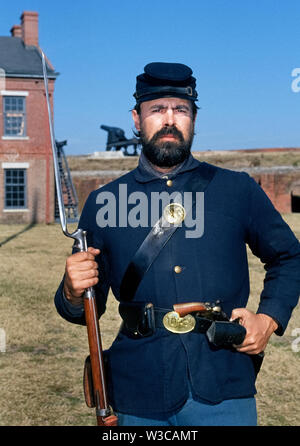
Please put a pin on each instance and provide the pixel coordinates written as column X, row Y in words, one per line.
column 165, row 79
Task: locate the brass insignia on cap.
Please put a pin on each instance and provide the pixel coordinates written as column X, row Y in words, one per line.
column 174, row 213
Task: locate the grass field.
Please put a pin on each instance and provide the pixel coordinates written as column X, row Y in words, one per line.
column 41, row 369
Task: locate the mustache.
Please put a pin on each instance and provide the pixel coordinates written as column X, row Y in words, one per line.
column 167, row 131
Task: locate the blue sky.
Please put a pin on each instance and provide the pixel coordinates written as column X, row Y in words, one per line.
column 242, row 53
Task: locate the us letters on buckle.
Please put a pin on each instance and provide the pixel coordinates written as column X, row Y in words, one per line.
column 176, row 324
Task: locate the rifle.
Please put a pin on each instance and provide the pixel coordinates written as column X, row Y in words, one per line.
column 94, row 372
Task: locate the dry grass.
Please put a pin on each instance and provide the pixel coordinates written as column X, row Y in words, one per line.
column 41, row 370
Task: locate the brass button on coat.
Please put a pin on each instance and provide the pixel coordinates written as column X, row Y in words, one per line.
column 169, row 183
column 177, row 269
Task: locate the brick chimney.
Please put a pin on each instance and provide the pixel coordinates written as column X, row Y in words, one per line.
column 16, row 31
column 30, row 32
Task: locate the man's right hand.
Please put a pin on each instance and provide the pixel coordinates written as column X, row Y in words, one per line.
column 81, row 273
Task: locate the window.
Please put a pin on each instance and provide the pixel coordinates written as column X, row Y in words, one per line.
column 14, row 115
column 15, row 188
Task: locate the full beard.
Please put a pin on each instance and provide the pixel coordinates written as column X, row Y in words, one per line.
column 167, row 153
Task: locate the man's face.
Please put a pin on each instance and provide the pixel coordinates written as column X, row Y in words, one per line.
column 166, row 127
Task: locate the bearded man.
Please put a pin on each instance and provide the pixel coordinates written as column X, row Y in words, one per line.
column 166, row 365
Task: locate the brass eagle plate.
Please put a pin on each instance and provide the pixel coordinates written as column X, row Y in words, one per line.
column 174, row 213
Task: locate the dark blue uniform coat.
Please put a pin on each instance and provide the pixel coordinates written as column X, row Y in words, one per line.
column 151, row 376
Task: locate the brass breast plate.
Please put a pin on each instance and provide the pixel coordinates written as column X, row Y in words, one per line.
column 174, row 213
column 176, row 324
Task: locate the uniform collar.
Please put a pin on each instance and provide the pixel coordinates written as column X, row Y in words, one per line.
column 145, row 172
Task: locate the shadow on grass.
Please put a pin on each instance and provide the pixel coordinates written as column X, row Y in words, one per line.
column 11, row 237
column 28, row 227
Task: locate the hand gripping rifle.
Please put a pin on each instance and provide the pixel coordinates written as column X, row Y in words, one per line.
column 94, row 373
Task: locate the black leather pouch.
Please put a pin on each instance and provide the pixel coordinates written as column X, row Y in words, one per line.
column 225, row 334
column 138, row 318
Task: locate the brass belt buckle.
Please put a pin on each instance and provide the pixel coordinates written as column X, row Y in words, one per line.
column 176, row 324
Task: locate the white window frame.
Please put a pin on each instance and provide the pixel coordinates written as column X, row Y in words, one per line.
column 7, row 165
column 14, row 93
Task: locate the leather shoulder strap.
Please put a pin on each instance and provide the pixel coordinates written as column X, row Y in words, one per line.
column 159, row 235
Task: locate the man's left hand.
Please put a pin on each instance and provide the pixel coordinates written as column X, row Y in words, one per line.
column 259, row 329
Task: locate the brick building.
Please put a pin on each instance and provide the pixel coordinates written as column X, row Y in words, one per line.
column 26, row 166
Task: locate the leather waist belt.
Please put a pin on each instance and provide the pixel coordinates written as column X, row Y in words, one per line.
column 167, row 320
column 141, row 319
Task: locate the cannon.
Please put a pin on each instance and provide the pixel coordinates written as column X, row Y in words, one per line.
column 116, row 139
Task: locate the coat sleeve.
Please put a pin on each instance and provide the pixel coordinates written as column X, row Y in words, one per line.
column 271, row 239
column 68, row 311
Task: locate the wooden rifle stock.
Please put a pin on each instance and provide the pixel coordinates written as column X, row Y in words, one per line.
column 94, row 370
